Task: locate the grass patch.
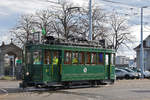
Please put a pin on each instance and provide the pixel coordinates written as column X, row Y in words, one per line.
column 6, row 78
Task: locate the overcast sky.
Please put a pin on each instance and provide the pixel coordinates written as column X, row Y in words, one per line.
column 10, row 10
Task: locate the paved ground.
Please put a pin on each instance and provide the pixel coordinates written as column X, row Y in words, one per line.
column 121, row 90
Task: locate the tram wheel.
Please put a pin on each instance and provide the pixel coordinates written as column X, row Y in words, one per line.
column 93, row 83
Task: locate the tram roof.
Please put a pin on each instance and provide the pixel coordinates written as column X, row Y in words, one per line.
column 69, row 47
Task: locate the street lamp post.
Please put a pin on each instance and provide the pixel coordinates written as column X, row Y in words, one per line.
column 90, row 20
column 141, row 48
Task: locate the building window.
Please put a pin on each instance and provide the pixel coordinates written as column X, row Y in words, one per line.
column 67, row 57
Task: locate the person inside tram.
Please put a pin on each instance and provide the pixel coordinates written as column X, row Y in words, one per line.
column 55, row 60
column 74, row 60
column 37, row 59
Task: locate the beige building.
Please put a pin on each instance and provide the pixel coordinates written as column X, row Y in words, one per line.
column 146, row 51
column 122, row 61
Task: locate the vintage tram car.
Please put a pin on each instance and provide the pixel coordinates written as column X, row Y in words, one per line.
column 56, row 63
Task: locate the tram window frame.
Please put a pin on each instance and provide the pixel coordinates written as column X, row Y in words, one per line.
column 112, row 59
column 88, row 58
column 100, row 60
column 39, row 53
column 107, row 59
column 47, row 57
column 93, row 58
column 28, row 58
column 75, row 55
column 81, row 58
column 69, row 57
column 55, row 55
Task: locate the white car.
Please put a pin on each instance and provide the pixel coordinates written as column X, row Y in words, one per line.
column 120, row 74
column 146, row 74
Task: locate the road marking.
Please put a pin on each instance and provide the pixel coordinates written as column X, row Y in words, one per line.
column 5, row 91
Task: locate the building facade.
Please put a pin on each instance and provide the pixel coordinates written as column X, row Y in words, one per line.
column 122, row 61
column 146, row 51
column 8, row 53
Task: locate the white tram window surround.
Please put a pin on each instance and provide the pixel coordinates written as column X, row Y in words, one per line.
column 93, row 58
column 107, row 59
column 113, row 59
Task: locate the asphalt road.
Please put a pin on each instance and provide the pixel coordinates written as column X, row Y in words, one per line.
column 121, row 90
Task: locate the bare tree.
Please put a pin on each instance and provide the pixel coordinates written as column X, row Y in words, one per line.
column 98, row 23
column 23, row 31
column 65, row 20
column 119, row 31
column 43, row 21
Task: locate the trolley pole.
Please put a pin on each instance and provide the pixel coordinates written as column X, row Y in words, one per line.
column 90, row 20
column 141, row 47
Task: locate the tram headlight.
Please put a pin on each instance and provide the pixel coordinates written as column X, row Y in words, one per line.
column 27, row 73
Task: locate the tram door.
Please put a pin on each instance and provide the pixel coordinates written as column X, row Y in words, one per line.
column 107, row 62
column 56, row 62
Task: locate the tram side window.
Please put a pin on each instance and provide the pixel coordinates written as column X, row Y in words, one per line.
column 88, row 58
column 67, row 57
column 100, row 58
column 107, row 59
column 75, row 58
column 93, row 58
column 37, row 57
column 47, row 57
column 81, row 58
column 113, row 59
column 28, row 60
column 55, row 57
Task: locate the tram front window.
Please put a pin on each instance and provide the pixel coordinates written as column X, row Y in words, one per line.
column 28, row 58
column 37, row 57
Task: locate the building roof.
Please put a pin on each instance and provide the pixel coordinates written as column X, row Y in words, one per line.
column 9, row 45
column 144, row 44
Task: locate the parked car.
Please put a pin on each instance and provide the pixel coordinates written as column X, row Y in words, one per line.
column 139, row 73
column 120, row 74
column 145, row 73
column 135, row 74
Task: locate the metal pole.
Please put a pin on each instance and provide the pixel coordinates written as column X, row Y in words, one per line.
column 58, row 1
column 141, row 49
column 90, row 20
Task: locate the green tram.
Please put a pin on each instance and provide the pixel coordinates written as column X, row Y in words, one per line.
column 56, row 64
